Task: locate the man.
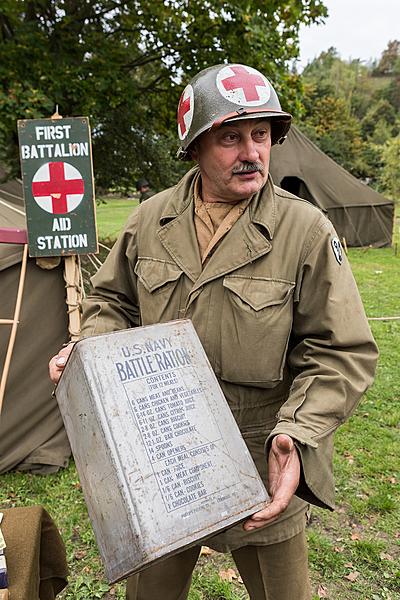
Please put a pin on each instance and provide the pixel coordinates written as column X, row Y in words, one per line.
column 143, row 186
column 262, row 276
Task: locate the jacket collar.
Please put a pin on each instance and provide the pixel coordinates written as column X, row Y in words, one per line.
column 250, row 236
column 262, row 208
column 180, row 197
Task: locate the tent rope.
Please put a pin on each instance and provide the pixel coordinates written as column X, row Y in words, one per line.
column 11, row 207
column 105, row 247
column 97, row 260
column 10, row 194
column 383, row 318
column 90, row 257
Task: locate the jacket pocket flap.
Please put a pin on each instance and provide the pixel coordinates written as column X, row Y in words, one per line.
column 153, row 274
column 259, row 292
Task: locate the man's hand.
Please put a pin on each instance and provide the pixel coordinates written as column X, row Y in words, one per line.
column 57, row 363
column 284, row 477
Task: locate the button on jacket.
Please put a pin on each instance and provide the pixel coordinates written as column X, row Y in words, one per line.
column 277, row 311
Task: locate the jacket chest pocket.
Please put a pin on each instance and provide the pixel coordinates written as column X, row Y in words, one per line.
column 158, row 290
column 255, row 329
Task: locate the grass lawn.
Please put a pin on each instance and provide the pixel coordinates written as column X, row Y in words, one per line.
column 354, row 552
column 112, row 213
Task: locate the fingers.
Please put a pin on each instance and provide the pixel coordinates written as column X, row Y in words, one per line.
column 282, row 444
column 55, row 369
column 283, row 477
column 57, row 363
column 263, row 517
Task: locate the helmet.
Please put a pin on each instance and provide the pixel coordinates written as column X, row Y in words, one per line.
column 223, row 93
column 141, row 183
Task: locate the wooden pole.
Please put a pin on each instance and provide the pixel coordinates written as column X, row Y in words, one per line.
column 15, row 322
column 71, row 276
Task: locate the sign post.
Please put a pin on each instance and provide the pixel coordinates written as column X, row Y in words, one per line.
column 57, row 176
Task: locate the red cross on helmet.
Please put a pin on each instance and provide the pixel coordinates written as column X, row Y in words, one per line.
column 225, row 92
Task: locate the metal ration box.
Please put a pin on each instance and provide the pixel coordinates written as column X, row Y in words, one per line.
column 160, row 458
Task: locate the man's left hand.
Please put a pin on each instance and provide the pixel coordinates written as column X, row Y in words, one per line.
column 284, row 477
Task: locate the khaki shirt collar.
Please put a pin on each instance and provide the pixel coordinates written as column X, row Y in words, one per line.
column 262, row 208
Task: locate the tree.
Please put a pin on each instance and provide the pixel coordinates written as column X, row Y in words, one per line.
column 123, row 63
column 390, row 175
column 329, row 75
column 391, row 92
column 389, row 58
column 336, row 132
column 352, row 113
column 381, row 115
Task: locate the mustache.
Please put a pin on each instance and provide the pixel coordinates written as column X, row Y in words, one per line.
column 248, row 167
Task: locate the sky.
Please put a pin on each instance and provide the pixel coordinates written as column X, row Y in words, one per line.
column 356, row 28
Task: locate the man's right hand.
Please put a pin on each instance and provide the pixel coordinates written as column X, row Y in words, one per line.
column 57, row 363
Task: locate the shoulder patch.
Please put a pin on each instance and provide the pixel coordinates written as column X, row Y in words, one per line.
column 337, row 249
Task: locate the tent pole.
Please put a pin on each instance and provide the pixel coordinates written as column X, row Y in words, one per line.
column 15, row 322
column 71, row 276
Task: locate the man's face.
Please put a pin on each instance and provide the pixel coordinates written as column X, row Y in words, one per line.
column 234, row 159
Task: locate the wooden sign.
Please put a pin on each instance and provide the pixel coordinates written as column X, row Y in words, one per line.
column 57, row 174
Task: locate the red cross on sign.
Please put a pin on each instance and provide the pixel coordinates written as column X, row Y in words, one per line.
column 243, row 85
column 185, row 112
column 58, row 187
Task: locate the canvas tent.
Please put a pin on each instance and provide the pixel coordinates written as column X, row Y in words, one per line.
column 32, row 435
column 359, row 214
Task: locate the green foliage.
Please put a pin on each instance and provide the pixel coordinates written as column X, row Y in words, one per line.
column 351, row 111
column 389, row 61
column 371, row 158
column 392, row 91
column 87, row 588
column 329, row 75
column 212, row 587
column 390, row 174
column 322, row 555
column 334, row 130
column 24, row 101
column 381, row 112
column 124, row 64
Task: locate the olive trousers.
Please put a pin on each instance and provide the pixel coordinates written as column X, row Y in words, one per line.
column 275, row 572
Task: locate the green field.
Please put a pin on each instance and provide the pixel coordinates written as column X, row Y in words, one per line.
column 112, row 213
column 354, row 552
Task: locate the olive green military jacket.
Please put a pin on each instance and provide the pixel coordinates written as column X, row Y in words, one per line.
column 278, row 313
